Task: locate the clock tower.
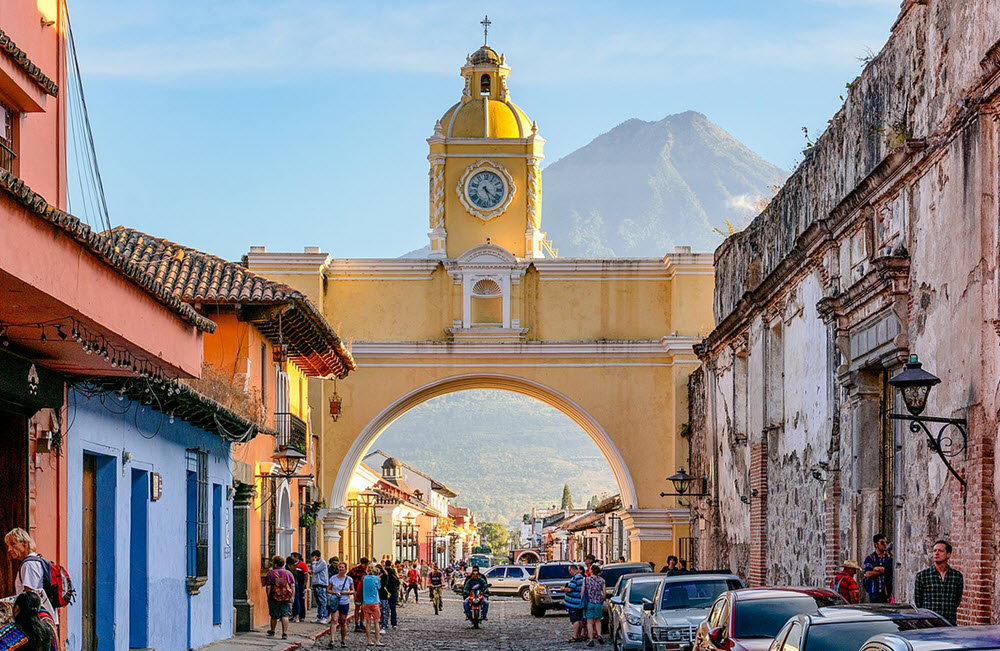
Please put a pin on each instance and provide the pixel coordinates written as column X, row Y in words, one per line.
column 485, row 174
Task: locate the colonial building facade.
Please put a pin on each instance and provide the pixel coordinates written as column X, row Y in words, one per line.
column 882, row 244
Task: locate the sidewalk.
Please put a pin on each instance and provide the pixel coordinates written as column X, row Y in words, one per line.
column 257, row 639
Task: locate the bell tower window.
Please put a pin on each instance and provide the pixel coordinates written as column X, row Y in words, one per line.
column 484, row 84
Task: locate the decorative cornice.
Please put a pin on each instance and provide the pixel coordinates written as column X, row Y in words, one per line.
column 568, row 269
column 21, row 59
column 664, row 347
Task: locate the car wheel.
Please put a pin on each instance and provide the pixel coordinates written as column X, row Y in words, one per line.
column 525, row 593
column 537, row 611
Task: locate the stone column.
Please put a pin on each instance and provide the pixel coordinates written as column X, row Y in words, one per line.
column 243, row 607
column 334, row 521
column 651, row 533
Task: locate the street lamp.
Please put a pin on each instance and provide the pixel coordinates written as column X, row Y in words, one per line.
column 682, row 484
column 289, row 460
column 915, row 384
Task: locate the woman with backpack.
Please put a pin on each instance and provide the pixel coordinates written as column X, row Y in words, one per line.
column 280, row 587
column 32, row 573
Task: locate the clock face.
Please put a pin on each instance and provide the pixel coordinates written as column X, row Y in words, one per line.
column 486, row 190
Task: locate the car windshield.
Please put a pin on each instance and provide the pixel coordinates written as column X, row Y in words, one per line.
column 611, row 575
column 546, row 572
column 852, row 635
column 763, row 618
column 642, row 590
column 678, row 595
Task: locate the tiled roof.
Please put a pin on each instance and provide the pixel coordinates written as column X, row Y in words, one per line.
column 8, row 47
column 196, row 277
column 100, row 246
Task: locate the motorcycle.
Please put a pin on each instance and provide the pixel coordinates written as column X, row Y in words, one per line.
column 476, row 599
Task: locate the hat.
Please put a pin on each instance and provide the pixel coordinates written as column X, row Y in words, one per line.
column 852, row 564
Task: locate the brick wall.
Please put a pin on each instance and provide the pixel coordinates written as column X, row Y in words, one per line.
column 758, row 513
column 831, row 525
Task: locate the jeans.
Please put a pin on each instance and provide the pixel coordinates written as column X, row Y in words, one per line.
column 393, row 600
column 319, row 593
column 384, row 611
column 467, row 607
column 416, row 592
column 299, row 607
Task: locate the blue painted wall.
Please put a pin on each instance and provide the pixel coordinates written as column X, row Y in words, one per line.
column 177, row 621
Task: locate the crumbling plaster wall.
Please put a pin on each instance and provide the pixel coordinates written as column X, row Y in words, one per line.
column 945, row 201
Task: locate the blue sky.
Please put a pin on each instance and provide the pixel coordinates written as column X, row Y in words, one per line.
column 303, row 122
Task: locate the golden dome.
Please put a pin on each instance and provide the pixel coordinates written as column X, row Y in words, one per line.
column 503, row 120
column 485, row 56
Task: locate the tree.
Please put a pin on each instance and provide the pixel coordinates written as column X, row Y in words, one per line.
column 567, row 498
column 496, row 535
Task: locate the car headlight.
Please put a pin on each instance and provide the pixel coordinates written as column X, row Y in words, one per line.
column 634, row 620
column 540, row 589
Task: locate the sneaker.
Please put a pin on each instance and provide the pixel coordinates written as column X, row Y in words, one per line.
column 284, row 636
column 590, row 643
column 270, row 633
column 343, row 644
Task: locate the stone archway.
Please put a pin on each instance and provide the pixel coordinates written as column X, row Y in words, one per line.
column 366, row 438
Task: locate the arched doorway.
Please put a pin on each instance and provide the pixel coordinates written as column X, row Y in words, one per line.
column 285, row 528
column 367, row 437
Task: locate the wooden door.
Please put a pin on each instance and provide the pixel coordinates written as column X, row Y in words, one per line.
column 88, row 592
column 13, row 488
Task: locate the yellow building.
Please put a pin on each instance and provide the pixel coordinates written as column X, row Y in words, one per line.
column 608, row 342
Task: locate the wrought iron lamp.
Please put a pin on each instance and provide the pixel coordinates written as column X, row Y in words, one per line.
column 915, row 383
column 682, row 484
column 336, row 402
column 289, row 460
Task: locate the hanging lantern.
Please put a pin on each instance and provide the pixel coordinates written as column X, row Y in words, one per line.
column 279, row 352
column 335, row 403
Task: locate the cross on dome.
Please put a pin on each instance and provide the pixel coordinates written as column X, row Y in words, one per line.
column 486, row 22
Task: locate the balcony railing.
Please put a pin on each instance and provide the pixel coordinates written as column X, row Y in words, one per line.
column 7, row 156
column 292, row 431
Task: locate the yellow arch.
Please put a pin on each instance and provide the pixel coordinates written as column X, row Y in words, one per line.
column 549, row 396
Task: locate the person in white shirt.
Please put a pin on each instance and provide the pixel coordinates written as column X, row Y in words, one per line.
column 31, row 575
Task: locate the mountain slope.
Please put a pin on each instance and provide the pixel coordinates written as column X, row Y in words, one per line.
column 502, row 452
column 644, row 187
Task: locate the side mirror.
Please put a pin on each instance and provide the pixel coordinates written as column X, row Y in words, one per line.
column 647, row 605
column 717, row 635
column 617, row 600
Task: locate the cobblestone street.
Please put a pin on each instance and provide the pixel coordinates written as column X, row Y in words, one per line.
column 510, row 628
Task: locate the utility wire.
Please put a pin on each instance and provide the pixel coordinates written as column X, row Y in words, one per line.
column 84, row 136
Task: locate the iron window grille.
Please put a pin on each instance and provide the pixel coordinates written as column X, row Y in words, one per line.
column 197, row 520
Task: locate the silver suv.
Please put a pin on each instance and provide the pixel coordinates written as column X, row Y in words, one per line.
column 682, row 600
column 510, row 580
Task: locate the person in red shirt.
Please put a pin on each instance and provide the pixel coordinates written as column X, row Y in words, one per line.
column 358, row 573
column 412, row 583
column 845, row 584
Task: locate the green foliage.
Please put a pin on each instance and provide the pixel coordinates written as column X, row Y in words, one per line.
column 496, row 535
column 567, row 498
column 501, row 451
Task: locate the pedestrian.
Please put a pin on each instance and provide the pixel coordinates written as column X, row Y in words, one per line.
column 844, row 582
column 401, row 577
column 28, row 631
column 290, row 565
column 370, row 606
column 412, row 584
column 671, row 564
column 320, row 579
column 940, row 586
column 684, row 565
column 425, row 569
column 31, row 573
column 341, row 590
column 621, row 559
column 358, row 574
column 588, row 562
column 878, row 571
column 594, row 592
column 383, row 598
column 279, row 584
column 574, row 603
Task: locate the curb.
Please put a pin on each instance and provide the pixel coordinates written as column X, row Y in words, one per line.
column 294, row 646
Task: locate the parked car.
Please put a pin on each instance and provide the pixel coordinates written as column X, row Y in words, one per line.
column 611, row 573
column 748, row 619
column 980, row 638
column 625, row 608
column 681, row 601
column 846, row 628
column 510, row 580
column 546, row 593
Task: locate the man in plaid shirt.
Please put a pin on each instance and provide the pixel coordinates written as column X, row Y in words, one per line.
column 940, row 586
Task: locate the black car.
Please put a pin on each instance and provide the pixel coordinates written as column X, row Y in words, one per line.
column 846, row 628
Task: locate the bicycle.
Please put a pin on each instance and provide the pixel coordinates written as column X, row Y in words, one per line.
column 436, row 598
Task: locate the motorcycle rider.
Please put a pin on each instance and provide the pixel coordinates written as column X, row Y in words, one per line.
column 475, row 579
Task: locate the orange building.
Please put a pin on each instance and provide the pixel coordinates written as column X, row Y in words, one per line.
column 269, row 341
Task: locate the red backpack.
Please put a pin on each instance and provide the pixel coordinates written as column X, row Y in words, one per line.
column 281, row 589
column 56, row 582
